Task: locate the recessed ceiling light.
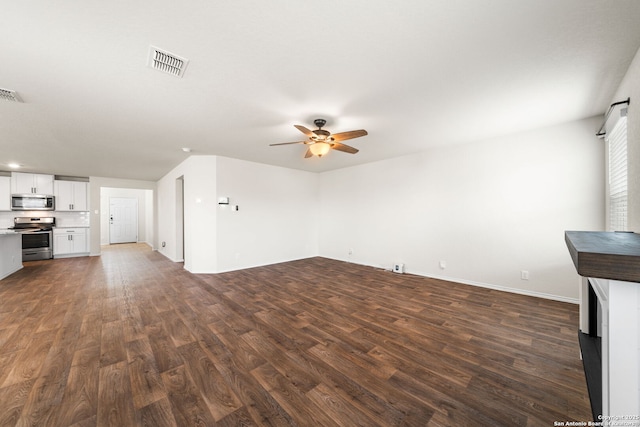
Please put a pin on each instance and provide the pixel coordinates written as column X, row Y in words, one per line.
column 13, row 165
column 186, row 149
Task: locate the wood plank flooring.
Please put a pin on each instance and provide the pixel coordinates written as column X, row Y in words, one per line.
column 132, row 339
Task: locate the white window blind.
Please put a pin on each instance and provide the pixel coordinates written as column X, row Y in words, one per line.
column 617, row 140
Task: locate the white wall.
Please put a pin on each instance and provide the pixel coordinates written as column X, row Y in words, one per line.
column 630, row 88
column 200, row 210
column 150, row 215
column 274, row 223
column 145, row 212
column 276, row 219
column 488, row 209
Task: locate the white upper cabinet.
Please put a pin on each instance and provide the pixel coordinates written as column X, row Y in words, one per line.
column 31, row 183
column 5, row 193
column 71, row 195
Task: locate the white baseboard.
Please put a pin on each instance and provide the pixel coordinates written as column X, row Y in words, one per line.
column 479, row 284
column 504, row 288
column 9, row 273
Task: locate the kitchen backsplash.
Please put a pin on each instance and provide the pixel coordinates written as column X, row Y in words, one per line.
column 63, row 219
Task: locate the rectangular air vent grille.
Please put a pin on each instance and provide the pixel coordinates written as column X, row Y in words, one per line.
column 167, row 62
column 9, row 95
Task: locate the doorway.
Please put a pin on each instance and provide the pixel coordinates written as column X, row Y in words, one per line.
column 123, row 220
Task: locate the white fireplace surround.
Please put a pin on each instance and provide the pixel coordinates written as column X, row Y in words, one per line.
column 620, row 333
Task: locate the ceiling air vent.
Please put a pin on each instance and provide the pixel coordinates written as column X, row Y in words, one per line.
column 9, row 95
column 167, row 62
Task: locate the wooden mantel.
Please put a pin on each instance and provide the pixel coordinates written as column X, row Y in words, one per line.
column 605, row 255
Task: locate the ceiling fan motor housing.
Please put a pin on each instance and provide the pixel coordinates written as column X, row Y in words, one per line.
column 321, row 134
column 320, row 122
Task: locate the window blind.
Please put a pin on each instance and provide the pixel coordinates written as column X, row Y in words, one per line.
column 617, row 140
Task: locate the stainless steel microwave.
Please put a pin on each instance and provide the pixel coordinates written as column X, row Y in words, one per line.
column 32, row 202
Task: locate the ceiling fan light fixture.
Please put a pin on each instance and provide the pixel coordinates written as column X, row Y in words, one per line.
column 321, row 141
column 319, row 148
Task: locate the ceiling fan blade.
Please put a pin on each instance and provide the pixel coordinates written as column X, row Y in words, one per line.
column 344, row 147
column 343, row 136
column 308, row 153
column 304, row 130
column 287, row 143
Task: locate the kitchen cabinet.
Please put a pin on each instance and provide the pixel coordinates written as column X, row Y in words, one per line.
column 71, row 195
column 5, row 193
column 68, row 242
column 31, row 183
column 10, row 252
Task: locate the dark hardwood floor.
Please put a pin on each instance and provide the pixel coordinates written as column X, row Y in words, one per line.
column 130, row 338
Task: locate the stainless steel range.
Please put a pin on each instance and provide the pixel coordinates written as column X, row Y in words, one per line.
column 37, row 237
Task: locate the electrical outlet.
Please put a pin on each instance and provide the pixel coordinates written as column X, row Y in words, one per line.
column 524, row 275
column 398, row 268
column 443, row 265
column 350, row 251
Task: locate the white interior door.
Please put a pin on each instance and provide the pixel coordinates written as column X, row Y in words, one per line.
column 123, row 220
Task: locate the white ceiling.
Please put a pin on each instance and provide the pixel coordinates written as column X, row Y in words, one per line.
column 413, row 73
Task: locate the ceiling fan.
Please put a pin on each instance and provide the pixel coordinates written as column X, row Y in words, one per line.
column 320, row 141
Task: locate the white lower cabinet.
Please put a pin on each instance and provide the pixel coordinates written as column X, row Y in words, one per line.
column 68, row 242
